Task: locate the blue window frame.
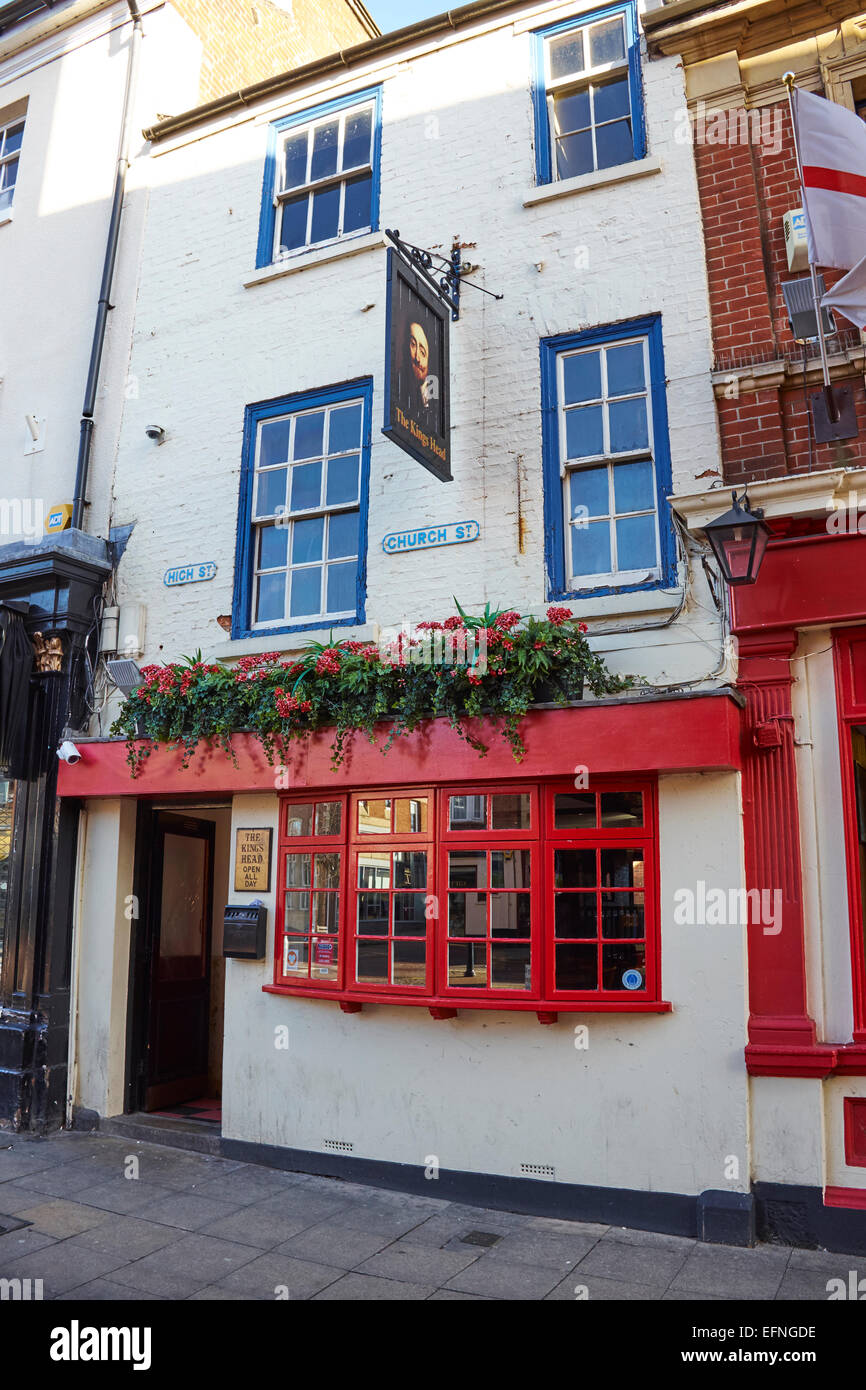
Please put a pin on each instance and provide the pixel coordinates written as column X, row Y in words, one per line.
column 301, row 554
column 587, row 94
column 321, row 179
column 607, row 467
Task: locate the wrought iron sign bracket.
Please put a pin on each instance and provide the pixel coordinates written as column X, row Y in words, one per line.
column 446, row 278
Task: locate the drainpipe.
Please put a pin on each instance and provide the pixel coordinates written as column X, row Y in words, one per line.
column 85, row 443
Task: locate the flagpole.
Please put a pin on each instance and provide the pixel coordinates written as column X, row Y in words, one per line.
column 788, row 79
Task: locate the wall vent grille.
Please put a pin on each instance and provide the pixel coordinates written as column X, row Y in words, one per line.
column 538, row 1170
column 340, row 1146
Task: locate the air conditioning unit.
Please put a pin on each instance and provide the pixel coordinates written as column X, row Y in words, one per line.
column 796, row 244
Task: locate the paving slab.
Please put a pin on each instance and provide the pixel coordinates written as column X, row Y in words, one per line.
column 128, row 1234
column 360, row 1288
column 261, row 1229
column 246, row 1185
column 60, row 1218
column 104, row 1291
column 269, row 1276
column 733, row 1273
column 186, row 1210
column 22, row 1242
column 416, row 1264
column 807, row 1284
column 633, row 1264
column 188, row 1264
column 556, row 1251
column 61, row 1266
column 123, row 1195
column 590, row 1288
column 328, row 1244
column 499, row 1278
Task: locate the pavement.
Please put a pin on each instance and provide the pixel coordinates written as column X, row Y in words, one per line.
column 99, row 1218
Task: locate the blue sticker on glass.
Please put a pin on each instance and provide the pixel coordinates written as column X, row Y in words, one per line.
column 632, row 979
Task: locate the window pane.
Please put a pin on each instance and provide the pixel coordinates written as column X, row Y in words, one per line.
column 611, row 100
column 329, row 817
column 622, row 914
column 574, row 914
column 510, row 914
column 373, row 914
column 307, row 540
column 574, row 868
column 468, row 813
column 324, row 150
column 274, row 444
column 309, row 434
column 5, row 195
column 296, row 955
column 625, row 369
column 589, row 492
column 467, row 914
column 467, row 869
column 623, row 966
column 271, row 491
column 409, row 919
column 374, row 818
column 297, row 912
column 511, row 967
column 342, row 588
column 574, row 155
column 572, row 112
column 271, row 601
column 358, row 203
column 326, row 912
column 327, row 871
column 467, row 964
column 606, row 42
column 344, row 429
column 510, row 868
column 634, row 487
column 614, row 144
column 574, row 811
column 410, row 869
column 326, row 953
column 622, row 808
column 622, row 868
column 577, row 966
column 342, row 535
column 306, row 597
column 510, row 812
column 356, row 138
column 410, row 815
column 298, row 868
column 299, row 820
column 584, row 432
column 295, row 160
column 306, row 486
column 343, row 474
column 590, row 549
column 274, row 547
column 293, row 226
column 374, row 869
column 372, row 962
column 566, row 54
column 409, row 964
column 581, row 377
column 628, row 425
column 636, row 543
column 14, row 136
column 326, row 214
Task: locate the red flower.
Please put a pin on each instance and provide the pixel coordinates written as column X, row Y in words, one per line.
column 538, row 646
column 328, row 663
column 429, row 627
column 452, row 623
column 506, row 621
column 558, row 616
column 582, row 627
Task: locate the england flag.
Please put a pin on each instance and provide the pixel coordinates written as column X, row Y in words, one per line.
column 832, row 144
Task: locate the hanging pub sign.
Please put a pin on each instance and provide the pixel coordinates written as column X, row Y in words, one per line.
column 417, row 387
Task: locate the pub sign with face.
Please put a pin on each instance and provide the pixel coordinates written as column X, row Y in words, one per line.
column 417, row 394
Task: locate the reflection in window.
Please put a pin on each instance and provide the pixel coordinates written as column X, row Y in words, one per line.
column 7, row 806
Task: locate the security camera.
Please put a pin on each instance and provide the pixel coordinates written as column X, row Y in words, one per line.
column 68, row 753
column 155, row 432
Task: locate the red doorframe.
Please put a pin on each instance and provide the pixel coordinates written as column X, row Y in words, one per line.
column 849, row 661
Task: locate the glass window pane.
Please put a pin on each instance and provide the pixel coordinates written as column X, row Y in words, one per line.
column 622, row 868
column 14, row 136
column 511, row 966
column 271, row 598
column 467, row 813
column 510, row 868
column 622, row 808
column 574, row 868
column 297, row 912
column 356, row 138
column 574, row 810
column 306, row 486
column 306, row 599
column 636, row 543
column 409, row 964
column 342, row 588
column 309, row 435
column 590, row 549
column 324, row 160
column 372, row 914
column 634, row 486
column 410, row 868
column 571, row 112
column 327, row 870
column 358, row 202
column 574, row 914
column 614, row 144
column 293, row 224
column 622, row 914
column 296, row 955
column 343, row 535
column 271, row 491
column 372, row 967
column 566, row 54
column 625, row 369
column 628, row 425
column 510, row 914
column 299, row 820
column 467, row 964
column 624, row 967
column 374, row 818
column 467, row 869
column 606, row 42
column 581, row 377
column 295, row 165
column 410, row 815
column 611, row 100
column 326, row 958
column 307, row 540
column 409, row 919
column 326, row 912
column 274, row 443
column 584, row 432
column 344, row 429
column 343, row 474
column 5, row 195
column 510, row 812
column 576, row 966
column 273, row 547
column 374, row 869
column 326, row 214
column 298, row 868
column 467, row 914
column 589, row 492
column 574, row 155
column 329, row 817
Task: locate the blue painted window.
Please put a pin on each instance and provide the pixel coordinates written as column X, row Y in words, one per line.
column 11, row 137
column 587, row 94
column 321, row 176
column 302, row 534
column 606, row 460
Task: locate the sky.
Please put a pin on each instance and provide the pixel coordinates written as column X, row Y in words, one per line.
column 394, row 14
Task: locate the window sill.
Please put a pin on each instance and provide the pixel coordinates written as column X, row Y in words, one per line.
column 323, row 255
column 599, row 178
column 443, row 1007
column 612, row 605
column 283, row 641
column 6, row 217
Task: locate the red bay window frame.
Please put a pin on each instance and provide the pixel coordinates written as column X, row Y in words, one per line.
column 310, row 844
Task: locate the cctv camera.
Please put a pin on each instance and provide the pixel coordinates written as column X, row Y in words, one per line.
column 68, row 753
column 155, row 432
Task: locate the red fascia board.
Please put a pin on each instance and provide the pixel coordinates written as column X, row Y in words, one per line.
column 807, row 580
column 701, row 733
